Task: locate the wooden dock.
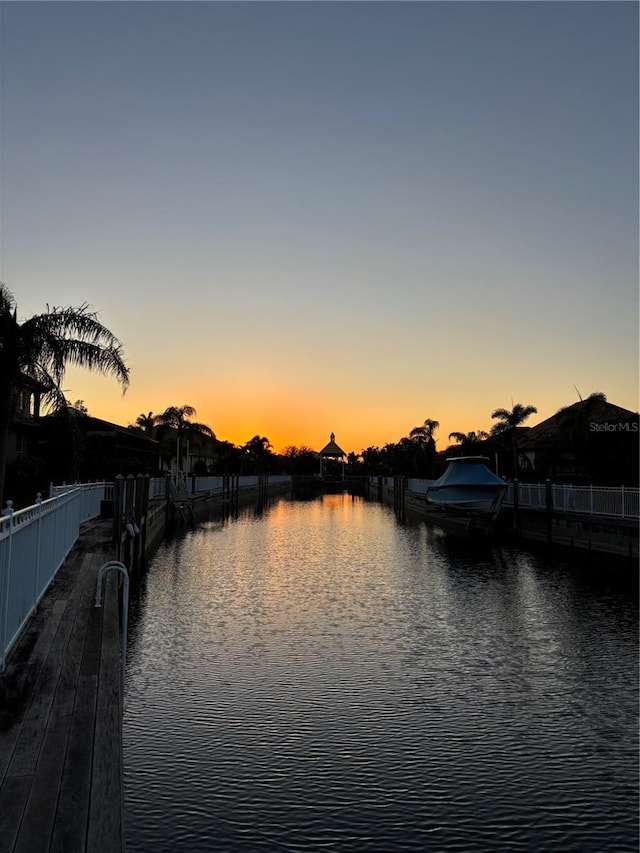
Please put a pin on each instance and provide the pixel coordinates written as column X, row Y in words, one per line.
column 61, row 715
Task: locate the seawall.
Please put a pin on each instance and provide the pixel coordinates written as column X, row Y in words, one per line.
column 574, row 531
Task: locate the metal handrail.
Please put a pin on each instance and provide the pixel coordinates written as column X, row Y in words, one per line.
column 120, row 567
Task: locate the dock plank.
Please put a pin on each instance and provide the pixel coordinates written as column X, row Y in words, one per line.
column 61, row 716
column 31, row 733
column 40, row 810
column 76, row 615
column 15, row 693
column 13, row 799
column 106, row 825
column 19, row 684
column 72, row 817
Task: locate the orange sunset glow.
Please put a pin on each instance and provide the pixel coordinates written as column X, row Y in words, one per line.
column 306, row 218
column 290, row 414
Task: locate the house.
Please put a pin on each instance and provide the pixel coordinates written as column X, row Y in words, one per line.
column 79, row 447
column 24, row 424
column 591, row 442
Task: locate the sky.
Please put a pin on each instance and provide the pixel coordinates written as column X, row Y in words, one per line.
column 313, row 217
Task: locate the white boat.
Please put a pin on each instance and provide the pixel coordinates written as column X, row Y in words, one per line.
column 469, row 486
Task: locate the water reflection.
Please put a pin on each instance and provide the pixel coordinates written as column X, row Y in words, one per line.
column 322, row 677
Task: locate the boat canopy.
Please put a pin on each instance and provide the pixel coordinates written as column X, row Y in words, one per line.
column 468, row 471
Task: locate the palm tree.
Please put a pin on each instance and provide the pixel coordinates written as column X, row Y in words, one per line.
column 372, row 458
column 421, row 437
column 228, row 458
column 259, row 449
column 468, row 441
column 424, row 434
column 508, row 423
column 41, row 348
column 175, row 419
column 145, row 423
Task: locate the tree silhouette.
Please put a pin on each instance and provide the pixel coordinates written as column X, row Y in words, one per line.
column 424, row 434
column 175, row 420
column 508, row 422
column 258, row 449
column 41, row 348
column 300, row 459
column 422, row 437
column 469, row 441
column 145, row 423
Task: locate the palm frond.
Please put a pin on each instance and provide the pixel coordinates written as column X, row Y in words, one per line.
column 7, row 300
column 501, row 413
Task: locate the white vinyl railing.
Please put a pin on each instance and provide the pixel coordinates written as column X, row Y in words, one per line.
column 91, row 496
column 157, row 487
column 619, row 502
column 212, row 484
column 34, row 543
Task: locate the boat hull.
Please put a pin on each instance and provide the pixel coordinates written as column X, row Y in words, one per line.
column 485, row 503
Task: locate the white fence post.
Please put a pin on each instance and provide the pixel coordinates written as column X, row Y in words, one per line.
column 34, row 543
column 36, row 569
column 614, row 501
column 5, row 587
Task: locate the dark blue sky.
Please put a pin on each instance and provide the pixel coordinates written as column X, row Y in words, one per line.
column 434, row 205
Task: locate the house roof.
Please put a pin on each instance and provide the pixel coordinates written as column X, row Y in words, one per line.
column 332, row 449
column 597, row 411
column 31, row 383
column 98, row 427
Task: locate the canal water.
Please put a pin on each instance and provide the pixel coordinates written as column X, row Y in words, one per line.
column 316, row 676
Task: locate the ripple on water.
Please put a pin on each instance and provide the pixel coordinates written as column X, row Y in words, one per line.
column 323, row 678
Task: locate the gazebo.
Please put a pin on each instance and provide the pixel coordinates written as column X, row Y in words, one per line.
column 332, row 460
